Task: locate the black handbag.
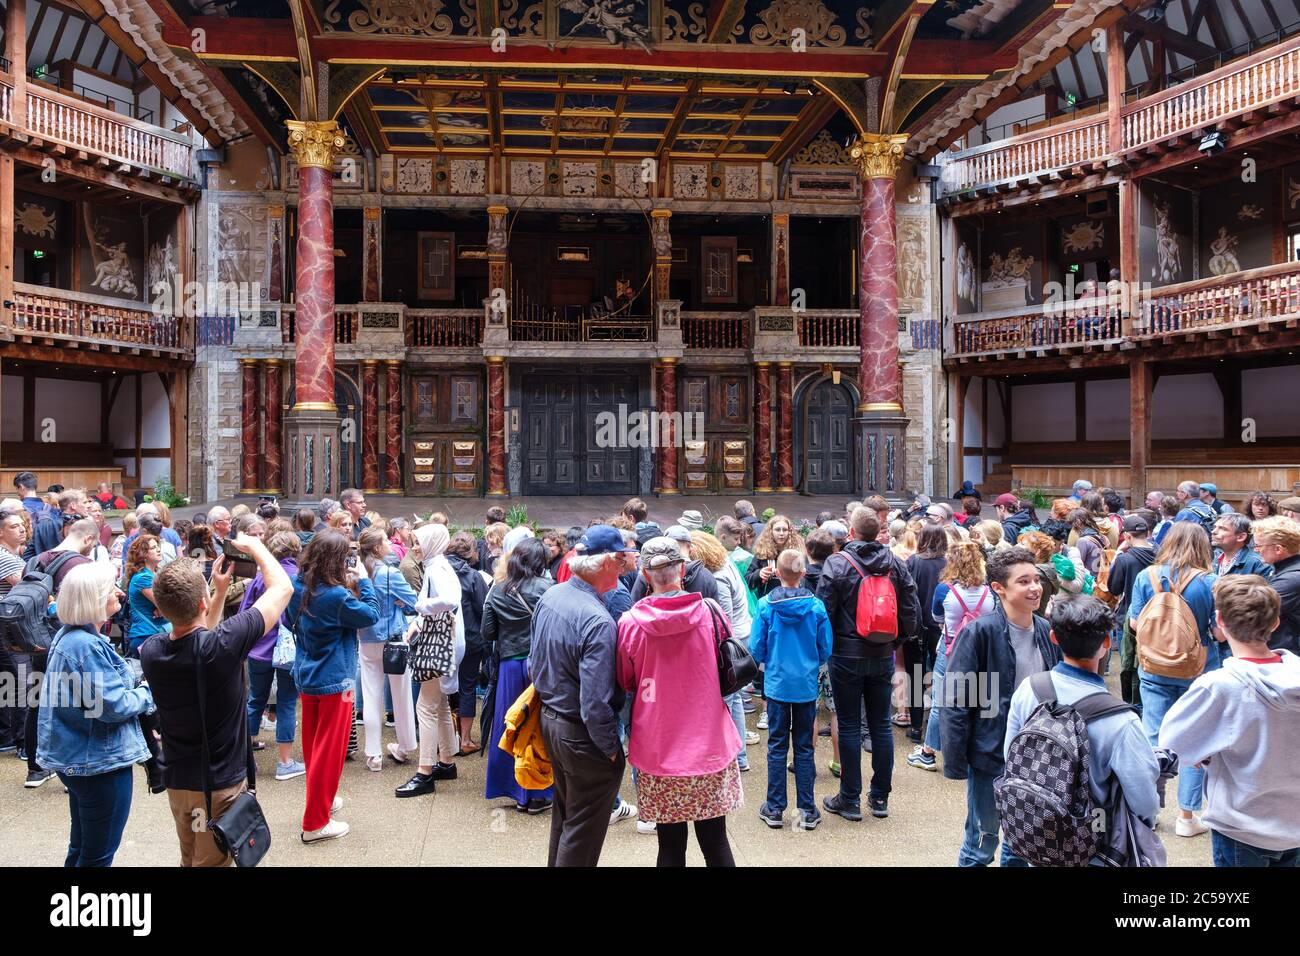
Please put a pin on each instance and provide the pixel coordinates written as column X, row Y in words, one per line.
column 396, row 650
column 242, row 832
column 736, row 666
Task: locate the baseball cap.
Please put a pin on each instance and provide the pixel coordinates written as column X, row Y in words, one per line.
column 1289, row 504
column 660, row 553
column 1211, row 487
column 1136, row 524
column 1007, row 500
column 602, row 539
column 922, row 500
column 678, row 533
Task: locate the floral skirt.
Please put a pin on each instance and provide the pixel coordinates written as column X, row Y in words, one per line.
column 681, row 799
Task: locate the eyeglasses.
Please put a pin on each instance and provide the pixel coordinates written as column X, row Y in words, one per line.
column 933, row 517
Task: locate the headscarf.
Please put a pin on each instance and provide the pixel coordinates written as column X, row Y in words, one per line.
column 433, row 539
column 439, row 577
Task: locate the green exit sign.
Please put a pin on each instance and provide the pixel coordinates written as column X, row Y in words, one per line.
column 38, row 254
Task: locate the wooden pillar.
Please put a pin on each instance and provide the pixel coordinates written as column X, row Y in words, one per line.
column 1128, row 254
column 6, row 239
column 1115, row 83
column 1140, row 386
column 984, row 429
column 178, row 399
column 1080, row 411
column 139, row 429
column 662, row 240
column 15, row 51
column 16, row 54
column 957, row 470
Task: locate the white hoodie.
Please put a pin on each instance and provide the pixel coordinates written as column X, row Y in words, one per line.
column 1245, row 718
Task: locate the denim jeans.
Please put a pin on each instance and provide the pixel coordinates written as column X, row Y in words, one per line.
column 736, row 704
column 981, row 840
column 936, row 695
column 99, row 805
column 855, row 682
column 1230, row 852
column 783, row 721
column 260, row 674
column 1158, row 695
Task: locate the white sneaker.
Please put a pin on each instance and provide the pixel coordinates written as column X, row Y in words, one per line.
column 336, row 806
column 268, row 724
column 645, row 826
column 330, row 831
column 1190, row 828
column 375, row 764
column 398, row 754
column 762, row 721
column 751, row 738
column 624, row 811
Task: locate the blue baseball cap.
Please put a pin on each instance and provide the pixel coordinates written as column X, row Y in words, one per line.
column 1212, row 488
column 602, row 539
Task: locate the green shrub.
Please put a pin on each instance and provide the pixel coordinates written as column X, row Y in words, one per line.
column 165, row 491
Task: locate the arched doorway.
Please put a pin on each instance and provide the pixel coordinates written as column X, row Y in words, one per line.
column 825, row 462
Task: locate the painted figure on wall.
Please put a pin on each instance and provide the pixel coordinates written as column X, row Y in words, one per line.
column 1223, row 253
column 1169, row 261
column 965, row 273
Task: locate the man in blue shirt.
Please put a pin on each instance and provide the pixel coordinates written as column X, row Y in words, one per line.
column 572, row 666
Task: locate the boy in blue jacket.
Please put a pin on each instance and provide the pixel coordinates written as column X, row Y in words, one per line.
column 791, row 638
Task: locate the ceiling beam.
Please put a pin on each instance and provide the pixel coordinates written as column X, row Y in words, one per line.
column 306, row 62
column 890, row 86
column 890, row 15
column 721, row 19
column 1189, row 46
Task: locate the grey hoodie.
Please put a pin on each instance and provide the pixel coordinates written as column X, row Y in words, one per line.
column 1245, row 718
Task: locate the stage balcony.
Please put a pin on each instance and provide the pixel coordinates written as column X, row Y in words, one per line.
column 1245, row 92
column 63, row 125
column 58, row 317
column 1257, row 300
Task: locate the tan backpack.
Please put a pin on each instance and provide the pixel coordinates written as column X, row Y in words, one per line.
column 1168, row 638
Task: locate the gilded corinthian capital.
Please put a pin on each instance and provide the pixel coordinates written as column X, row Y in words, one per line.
column 314, row 143
column 878, row 155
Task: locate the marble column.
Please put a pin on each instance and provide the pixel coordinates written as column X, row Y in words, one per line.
column 781, row 258
column 496, row 417
column 370, row 426
column 763, row 426
column 785, row 426
column 371, row 256
column 312, row 426
column 251, row 432
column 666, row 433
column 881, row 425
column 273, row 451
column 393, row 426
column 498, row 241
column 662, row 239
column 275, row 252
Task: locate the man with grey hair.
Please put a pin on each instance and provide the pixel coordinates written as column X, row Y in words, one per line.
column 354, row 503
column 1193, row 508
column 326, row 508
column 1080, row 488
column 219, row 522
column 572, row 665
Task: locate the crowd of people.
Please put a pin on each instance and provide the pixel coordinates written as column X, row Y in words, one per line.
column 933, row 619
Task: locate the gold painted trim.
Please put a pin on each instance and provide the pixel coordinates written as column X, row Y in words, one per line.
column 495, row 359
column 880, row 407
column 250, row 491
column 581, row 65
column 272, row 491
column 498, row 494
column 661, row 213
column 764, row 491
column 370, row 491
column 498, row 210
column 314, row 407
column 273, row 361
column 369, row 362
column 315, row 143
column 762, row 364
column 397, row 362
column 785, row 364
column 669, row 491
column 357, row 89
column 788, row 490
column 668, row 361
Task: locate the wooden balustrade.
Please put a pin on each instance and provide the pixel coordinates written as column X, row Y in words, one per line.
column 444, row 328
column 345, row 324
column 829, row 329
column 716, row 330
column 39, row 311
column 59, row 118
column 1081, row 323
column 1056, row 147
column 6, row 102
column 1258, row 295
column 1266, row 76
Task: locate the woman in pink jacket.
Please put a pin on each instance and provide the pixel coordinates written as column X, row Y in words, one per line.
column 683, row 741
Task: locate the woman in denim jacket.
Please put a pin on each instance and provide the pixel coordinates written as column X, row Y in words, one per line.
column 86, row 727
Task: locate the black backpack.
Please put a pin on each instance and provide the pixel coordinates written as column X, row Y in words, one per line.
column 1043, row 797
column 24, row 612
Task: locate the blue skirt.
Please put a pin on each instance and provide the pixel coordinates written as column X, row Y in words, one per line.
column 512, row 680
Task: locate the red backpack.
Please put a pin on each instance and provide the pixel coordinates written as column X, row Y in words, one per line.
column 877, row 614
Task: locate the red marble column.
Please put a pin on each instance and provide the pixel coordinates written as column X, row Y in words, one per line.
column 252, row 428
column 785, row 426
column 781, row 259
column 496, row 389
column 393, row 428
column 370, row 256
column 370, row 426
column 763, row 426
column 273, row 450
column 313, row 367
column 275, row 253
column 667, row 432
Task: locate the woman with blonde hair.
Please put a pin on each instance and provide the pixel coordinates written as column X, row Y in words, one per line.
column 116, row 553
column 964, row 596
column 341, row 521
column 778, row 535
column 904, row 545
column 1184, row 565
column 493, row 537
column 991, row 532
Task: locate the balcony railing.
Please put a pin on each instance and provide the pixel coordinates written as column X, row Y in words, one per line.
column 1081, row 323
column 717, row 330
column 6, row 101
column 444, row 328
column 345, row 324
column 1264, row 78
column 40, row 311
column 1259, row 295
column 824, row 328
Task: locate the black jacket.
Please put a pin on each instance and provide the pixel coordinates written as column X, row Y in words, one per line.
column 507, row 620
column 647, row 531
column 1286, row 581
column 1124, row 572
column 1017, row 523
column 696, row 580
column 838, row 590
column 473, row 592
column 982, row 662
column 925, row 573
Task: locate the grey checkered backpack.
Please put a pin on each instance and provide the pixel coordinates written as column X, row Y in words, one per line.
column 1043, row 797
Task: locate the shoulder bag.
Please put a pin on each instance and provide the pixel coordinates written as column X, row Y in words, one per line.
column 242, row 832
column 433, row 647
column 736, row 666
column 396, row 650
